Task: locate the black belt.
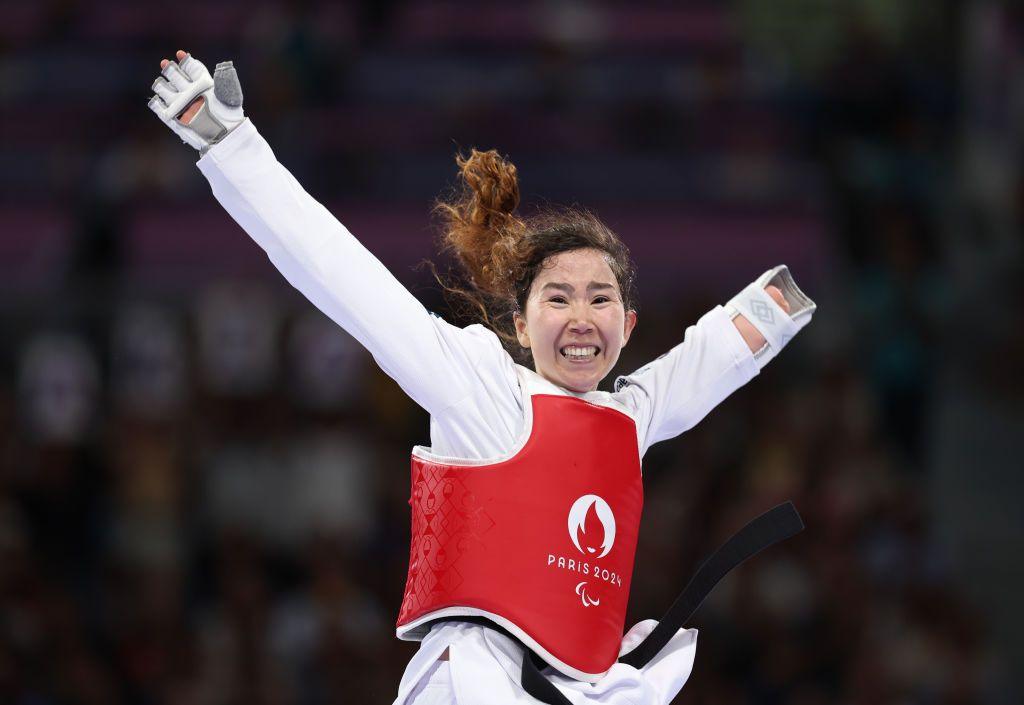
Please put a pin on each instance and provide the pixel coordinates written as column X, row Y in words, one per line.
column 771, row 527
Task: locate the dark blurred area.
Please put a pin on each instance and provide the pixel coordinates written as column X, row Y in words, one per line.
column 204, row 482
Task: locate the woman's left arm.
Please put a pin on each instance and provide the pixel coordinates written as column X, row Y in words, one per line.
column 724, row 350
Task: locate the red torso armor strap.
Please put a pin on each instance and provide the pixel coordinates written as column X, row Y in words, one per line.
column 541, row 543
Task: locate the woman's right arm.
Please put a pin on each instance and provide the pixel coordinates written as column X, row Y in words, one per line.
column 430, row 359
column 435, row 363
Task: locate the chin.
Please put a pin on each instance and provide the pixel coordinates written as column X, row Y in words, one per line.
column 578, row 381
column 581, row 385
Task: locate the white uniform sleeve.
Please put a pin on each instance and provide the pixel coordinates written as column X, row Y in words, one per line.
column 429, row 358
column 673, row 393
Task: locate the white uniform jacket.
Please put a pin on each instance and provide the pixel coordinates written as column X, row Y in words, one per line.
column 468, row 383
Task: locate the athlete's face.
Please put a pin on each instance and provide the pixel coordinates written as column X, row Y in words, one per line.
column 575, row 323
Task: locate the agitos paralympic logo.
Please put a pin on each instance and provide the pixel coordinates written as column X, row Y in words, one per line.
column 592, row 531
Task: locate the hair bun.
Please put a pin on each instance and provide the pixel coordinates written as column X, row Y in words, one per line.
column 481, row 228
column 494, row 183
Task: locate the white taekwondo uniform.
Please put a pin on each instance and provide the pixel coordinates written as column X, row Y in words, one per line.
column 469, row 385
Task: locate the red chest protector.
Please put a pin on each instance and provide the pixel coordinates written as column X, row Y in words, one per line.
column 541, row 542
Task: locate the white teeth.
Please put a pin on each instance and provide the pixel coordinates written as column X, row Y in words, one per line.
column 579, row 352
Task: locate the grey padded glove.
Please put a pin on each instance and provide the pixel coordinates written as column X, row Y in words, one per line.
column 180, row 84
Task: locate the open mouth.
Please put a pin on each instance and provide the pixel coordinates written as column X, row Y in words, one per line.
column 580, row 353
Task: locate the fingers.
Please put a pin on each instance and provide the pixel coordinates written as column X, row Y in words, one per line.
column 180, row 55
column 164, row 89
column 189, row 66
column 192, row 67
column 158, row 106
column 175, row 76
column 180, row 83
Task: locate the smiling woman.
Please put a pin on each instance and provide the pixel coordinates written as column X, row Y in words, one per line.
column 559, row 286
column 574, row 322
column 499, row 572
column 502, row 254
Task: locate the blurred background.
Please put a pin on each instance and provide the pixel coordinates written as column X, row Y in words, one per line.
column 204, row 482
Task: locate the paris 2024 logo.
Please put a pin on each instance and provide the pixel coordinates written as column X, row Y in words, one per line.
column 592, row 531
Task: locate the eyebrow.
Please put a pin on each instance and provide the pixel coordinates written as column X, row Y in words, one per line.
column 568, row 288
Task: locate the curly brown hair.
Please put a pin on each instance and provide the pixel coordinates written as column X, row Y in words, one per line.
column 500, row 253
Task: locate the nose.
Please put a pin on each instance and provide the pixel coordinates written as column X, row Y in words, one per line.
column 580, row 322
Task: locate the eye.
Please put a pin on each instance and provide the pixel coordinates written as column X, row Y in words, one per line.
column 601, row 300
column 558, row 300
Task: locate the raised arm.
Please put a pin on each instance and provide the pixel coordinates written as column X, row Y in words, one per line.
column 724, row 350
column 430, row 359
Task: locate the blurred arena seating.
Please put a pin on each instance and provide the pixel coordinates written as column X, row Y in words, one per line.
column 203, row 482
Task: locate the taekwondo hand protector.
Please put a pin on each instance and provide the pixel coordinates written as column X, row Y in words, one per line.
column 758, row 307
column 179, row 85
